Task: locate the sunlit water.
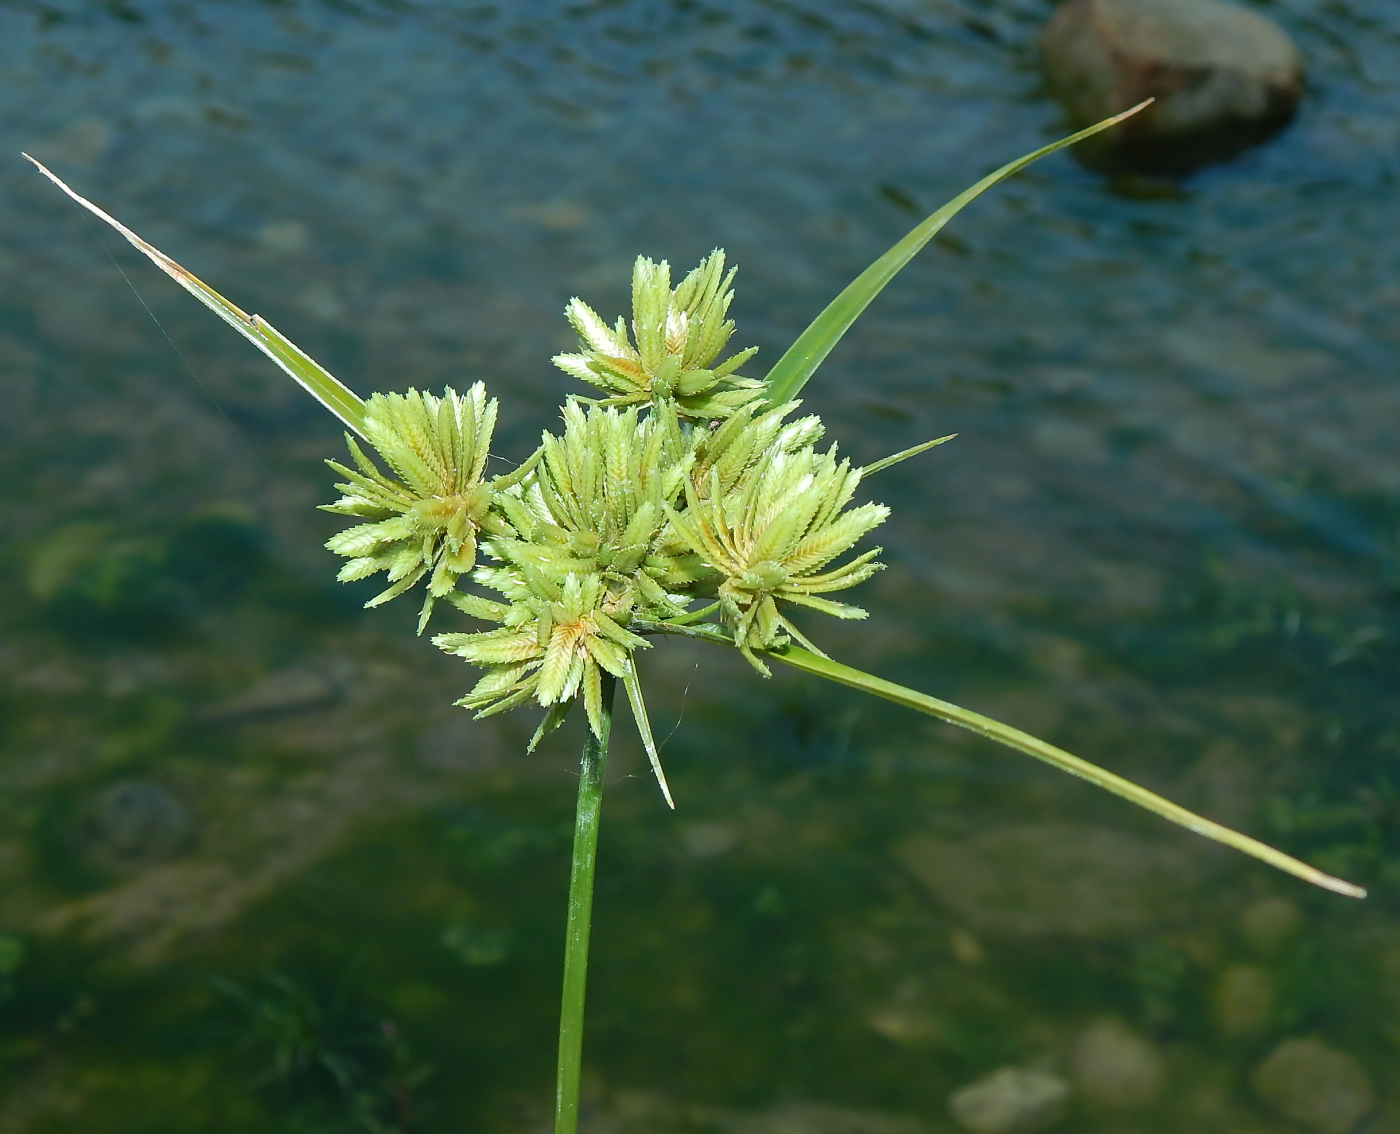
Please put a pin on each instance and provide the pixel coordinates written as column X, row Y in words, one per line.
column 259, row 875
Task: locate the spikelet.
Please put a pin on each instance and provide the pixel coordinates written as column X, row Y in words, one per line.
column 772, row 534
column 676, row 335
column 551, row 651
column 586, row 549
column 425, row 519
column 596, row 503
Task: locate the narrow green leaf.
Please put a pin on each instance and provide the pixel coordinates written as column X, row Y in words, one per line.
column 1023, row 742
column 310, row 375
column 791, row 372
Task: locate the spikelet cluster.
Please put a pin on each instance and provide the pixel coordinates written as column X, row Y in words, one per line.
column 770, row 537
column 588, row 548
column 669, row 357
column 425, row 519
column 681, row 498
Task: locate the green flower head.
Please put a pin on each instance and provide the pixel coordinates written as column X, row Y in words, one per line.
column 678, row 335
column 554, row 643
column 426, row 521
column 771, row 536
column 588, row 545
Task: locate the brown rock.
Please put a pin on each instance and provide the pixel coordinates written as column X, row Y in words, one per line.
column 278, row 694
column 1115, row 1067
column 1242, row 999
column 1267, row 925
column 1055, row 878
column 1316, row 1086
column 1224, row 78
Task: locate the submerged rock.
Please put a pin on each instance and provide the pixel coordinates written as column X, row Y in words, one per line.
column 1267, row 925
column 1116, row 1067
column 134, row 823
column 1242, row 1000
column 288, row 691
column 1012, row 1100
column 1315, row 1086
column 1053, row 878
column 1224, row 78
column 814, row 1118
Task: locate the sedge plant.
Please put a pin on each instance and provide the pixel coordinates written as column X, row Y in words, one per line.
column 681, row 497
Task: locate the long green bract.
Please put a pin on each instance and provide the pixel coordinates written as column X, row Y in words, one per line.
column 309, row 374
column 1057, row 757
column 791, row 372
column 819, row 666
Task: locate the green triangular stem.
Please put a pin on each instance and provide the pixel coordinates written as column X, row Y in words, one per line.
column 314, row 378
column 580, row 918
column 790, row 373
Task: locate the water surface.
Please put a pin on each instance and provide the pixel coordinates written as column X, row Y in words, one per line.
column 259, row 875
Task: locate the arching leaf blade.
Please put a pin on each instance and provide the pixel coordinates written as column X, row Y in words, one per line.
column 1056, row 757
column 791, row 372
column 343, row 402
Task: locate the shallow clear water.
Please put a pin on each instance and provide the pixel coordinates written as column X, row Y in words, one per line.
column 265, row 878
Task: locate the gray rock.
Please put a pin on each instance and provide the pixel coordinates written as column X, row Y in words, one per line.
column 1315, row 1086
column 134, row 823
column 1116, row 1067
column 1012, row 1100
column 1224, row 78
column 1054, row 879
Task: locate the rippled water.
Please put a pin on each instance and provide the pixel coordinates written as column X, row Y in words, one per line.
column 259, row 875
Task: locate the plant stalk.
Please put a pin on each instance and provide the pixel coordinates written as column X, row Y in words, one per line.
column 585, row 857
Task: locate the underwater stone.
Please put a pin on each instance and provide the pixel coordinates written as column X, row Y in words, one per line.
column 707, row 840
column 1242, row 999
column 965, row 947
column 1053, row 879
column 1315, row 1085
column 288, row 691
column 1224, row 78
column 461, row 745
column 1268, row 924
column 798, row 1118
column 133, row 823
column 1116, row 1067
column 1012, row 1100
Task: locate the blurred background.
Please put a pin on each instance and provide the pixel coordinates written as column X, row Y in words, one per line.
column 258, row 874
